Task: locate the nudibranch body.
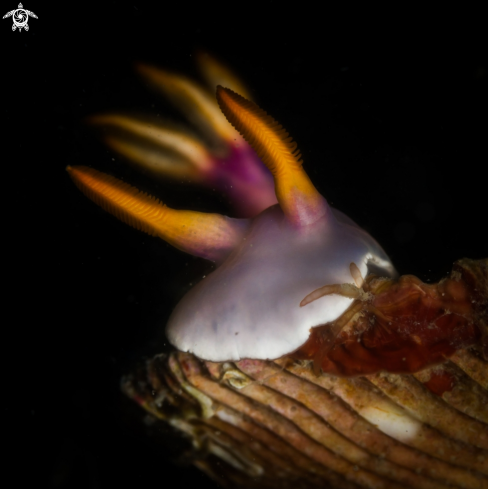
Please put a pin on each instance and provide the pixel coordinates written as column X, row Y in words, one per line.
column 250, row 306
column 313, row 365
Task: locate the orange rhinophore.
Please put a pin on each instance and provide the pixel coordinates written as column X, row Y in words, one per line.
column 298, row 197
column 210, row 236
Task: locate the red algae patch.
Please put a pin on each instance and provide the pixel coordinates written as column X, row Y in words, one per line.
column 406, row 326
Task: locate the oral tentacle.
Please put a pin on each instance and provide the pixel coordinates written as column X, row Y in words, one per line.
column 345, row 290
column 356, row 275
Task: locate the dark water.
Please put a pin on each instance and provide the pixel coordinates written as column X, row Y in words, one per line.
column 391, row 122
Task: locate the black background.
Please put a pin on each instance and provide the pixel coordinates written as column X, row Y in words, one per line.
column 389, row 111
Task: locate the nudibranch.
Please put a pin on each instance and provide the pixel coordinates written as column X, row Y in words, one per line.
column 251, row 306
column 302, row 360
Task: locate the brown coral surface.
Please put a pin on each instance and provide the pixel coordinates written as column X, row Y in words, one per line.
column 282, row 423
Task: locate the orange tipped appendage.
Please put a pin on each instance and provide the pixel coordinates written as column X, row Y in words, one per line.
column 198, row 105
column 210, row 236
column 298, row 198
column 157, row 147
column 217, row 73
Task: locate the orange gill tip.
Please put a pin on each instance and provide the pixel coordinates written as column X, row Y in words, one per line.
column 157, row 147
column 296, row 194
column 217, row 73
column 196, row 103
column 154, row 160
column 209, row 236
